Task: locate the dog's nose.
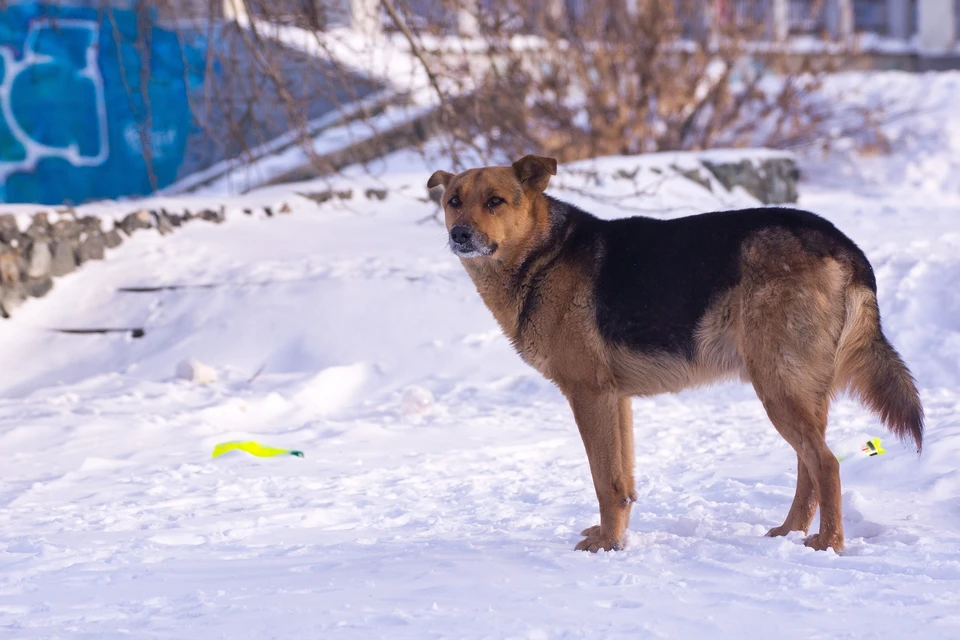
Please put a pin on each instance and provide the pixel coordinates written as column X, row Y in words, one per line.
column 461, row 234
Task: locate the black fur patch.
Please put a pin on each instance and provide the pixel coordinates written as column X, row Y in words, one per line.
column 542, row 260
column 656, row 278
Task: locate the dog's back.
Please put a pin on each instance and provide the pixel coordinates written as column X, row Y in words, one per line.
column 655, row 279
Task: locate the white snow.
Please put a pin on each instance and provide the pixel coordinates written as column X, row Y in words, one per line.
column 444, row 483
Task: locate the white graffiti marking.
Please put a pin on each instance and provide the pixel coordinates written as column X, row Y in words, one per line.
column 36, row 151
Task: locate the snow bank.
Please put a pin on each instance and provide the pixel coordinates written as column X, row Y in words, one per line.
column 921, row 124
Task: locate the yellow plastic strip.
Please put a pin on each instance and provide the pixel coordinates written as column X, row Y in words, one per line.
column 253, row 448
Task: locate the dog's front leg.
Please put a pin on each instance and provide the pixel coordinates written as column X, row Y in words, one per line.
column 599, row 414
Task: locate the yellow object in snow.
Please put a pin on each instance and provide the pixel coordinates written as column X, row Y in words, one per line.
column 254, row 448
column 872, row 447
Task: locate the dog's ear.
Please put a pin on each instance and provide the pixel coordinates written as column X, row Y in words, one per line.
column 439, row 178
column 534, row 172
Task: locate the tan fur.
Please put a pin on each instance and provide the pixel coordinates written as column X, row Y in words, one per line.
column 792, row 315
column 869, row 367
column 795, row 327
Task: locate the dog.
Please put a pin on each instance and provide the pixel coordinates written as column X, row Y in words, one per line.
column 608, row 310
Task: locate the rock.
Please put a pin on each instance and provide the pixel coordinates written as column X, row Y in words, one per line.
column 39, row 228
column 12, row 293
column 141, row 219
column 211, row 216
column 38, row 287
column 9, row 231
column 285, row 208
column 11, row 299
column 65, row 242
column 112, row 238
column 163, row 224
column 91, row 224
column 770, row 180
column 66, row 231
column 92, row 247
column 9, row 267
column 64, row 259
column 39, row 260
column 694, row 175
column 91, row 244
column 196, row 372
column 376, row 194
column 174, row 219
column 783, row 175
column 317, row 196
column 322, row 196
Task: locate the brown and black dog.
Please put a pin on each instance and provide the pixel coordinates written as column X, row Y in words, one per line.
column 636, row 307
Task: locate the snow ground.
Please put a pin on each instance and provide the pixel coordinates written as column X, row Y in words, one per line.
column 447, row 519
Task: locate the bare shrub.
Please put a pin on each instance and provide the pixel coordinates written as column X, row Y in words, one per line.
column 583, row 79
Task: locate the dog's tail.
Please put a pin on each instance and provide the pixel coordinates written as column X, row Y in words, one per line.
column 869, row 366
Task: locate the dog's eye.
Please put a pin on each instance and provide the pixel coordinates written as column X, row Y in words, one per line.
column 495, row 201
column 454, row 201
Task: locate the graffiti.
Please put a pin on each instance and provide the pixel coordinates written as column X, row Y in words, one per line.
column 34, row 150
column 74, row 111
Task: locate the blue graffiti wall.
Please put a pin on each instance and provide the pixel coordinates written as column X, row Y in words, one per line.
column 75, row 85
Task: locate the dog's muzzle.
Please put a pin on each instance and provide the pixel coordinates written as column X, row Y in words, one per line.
column 466, row 243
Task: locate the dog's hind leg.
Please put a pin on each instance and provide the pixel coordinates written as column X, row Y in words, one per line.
column 790, row 360
column 600, row 418
column 792, row 312
column 803, row 426
column 797, row 405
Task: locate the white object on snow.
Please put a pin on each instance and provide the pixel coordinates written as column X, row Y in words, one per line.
column 195, row 371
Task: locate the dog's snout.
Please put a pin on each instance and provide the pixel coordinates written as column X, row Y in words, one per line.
column 461, row 234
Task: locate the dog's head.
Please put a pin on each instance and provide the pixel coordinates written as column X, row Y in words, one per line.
column 490, row 211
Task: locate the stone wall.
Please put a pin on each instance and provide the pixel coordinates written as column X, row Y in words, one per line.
column 771, row 180
column 31, row 258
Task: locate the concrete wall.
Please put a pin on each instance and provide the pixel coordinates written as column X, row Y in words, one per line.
column 936, row 26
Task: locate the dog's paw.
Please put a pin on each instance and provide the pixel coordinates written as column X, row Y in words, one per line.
column 822, row 543
column 595, row 541
column 782, row 530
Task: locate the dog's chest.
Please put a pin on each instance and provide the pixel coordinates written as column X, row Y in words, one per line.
column 558, row 337
column 551, row 322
